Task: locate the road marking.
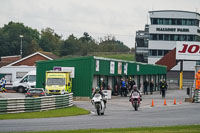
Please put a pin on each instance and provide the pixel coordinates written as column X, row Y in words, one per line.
column 92, row 112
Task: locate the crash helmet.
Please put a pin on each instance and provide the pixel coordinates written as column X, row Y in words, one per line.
column 135, row 87
column 97, row 89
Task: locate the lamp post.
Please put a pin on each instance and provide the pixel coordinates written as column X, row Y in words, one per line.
column 21, row 36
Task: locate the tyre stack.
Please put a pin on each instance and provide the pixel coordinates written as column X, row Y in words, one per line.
column 197, row 96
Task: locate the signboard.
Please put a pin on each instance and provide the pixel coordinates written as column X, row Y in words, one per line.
column 66, row 69
column 119, row 67
column 125, row 68
column 138, row 68
column 188, row 50
column 97, row 65
column 112, row 67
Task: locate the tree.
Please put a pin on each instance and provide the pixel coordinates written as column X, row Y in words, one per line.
column 50, row 41
column 109, row 44
column 70, row 46
column 11, row 43
column 87, row 44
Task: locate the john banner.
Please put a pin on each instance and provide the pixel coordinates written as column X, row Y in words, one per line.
column 112, row 67
column 188, row 50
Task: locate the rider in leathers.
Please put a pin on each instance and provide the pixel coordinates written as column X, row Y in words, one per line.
column 97, row 90
column 135, row 90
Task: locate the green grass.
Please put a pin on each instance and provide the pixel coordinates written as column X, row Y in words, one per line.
column 120, row 56
column 129, row 57
column 170, row 129
column 70, row 111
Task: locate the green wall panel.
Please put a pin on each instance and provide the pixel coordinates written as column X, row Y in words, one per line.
column 81, row 84
column 85, row 68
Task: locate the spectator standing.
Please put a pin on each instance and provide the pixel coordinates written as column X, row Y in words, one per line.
column 151, row 87
column 123, row 85
column 145, row 84
column 163, row 88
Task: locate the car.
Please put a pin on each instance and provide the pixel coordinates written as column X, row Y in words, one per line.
column 35, row 92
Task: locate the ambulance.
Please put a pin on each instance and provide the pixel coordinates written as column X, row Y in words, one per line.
column 58, row 82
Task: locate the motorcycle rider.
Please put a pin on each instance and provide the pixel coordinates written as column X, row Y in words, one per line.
column 3, row 84
column 98, row 90
column 135, row 90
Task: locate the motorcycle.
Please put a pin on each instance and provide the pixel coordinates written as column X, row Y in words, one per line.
column 135, row 100
column 99, row 104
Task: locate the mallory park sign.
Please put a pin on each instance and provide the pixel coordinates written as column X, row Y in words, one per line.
column 173, row 29
column 188, row 50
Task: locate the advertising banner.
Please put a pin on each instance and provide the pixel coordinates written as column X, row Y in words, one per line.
column 119, row 67
column 97, row 65
column 112, row 67
column 188, row 50
column 125, row 68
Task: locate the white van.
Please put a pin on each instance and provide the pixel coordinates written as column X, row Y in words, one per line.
column 14, row 73
column 25, row 83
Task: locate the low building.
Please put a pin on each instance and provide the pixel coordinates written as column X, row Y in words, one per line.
column 15, row 67
column 91, row 71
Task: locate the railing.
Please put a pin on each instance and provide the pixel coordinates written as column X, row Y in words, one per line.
column 19, row 105
column 197, row 96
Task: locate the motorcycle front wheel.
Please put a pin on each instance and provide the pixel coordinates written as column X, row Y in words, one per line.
column 135, row 105
column 98, row 111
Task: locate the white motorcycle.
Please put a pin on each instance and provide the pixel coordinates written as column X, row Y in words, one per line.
column 135, row 100
column 99, row 104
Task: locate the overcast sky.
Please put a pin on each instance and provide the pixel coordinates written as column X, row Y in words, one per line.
column 120, row 18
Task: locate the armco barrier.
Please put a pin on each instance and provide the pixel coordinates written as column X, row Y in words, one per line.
column 19, row 105
column 197, row 96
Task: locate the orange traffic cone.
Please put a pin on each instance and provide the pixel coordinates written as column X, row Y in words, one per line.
column 174, row 101
column 180, row 101
column 152, row 105
column 165, row 103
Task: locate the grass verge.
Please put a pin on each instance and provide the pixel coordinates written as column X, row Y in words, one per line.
column 70, row 111
column 129, row 57
column 170, row 129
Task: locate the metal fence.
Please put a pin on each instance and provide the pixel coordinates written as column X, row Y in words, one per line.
column 19, row 105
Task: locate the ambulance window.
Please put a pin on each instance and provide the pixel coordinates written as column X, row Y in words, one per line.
column 56, row 81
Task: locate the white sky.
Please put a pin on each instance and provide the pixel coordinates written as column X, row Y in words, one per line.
column 120, row 18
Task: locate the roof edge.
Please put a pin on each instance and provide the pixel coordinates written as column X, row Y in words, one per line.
column 29, row 57
column 174, row 11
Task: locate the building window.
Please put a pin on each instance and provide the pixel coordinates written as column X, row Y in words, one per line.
column 189, row 22
column 154, row 52
column 191, row 38
column 166, row 37
column 179, row 22
column 168, row 21
column 172, row 37
column 160, row 52
column 160, row 36
column 155, row 21
column 165, row 52
column 184, row 22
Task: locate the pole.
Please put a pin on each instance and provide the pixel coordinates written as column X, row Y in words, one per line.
column 21, row 48
column 21, row 36
column 181, row 76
